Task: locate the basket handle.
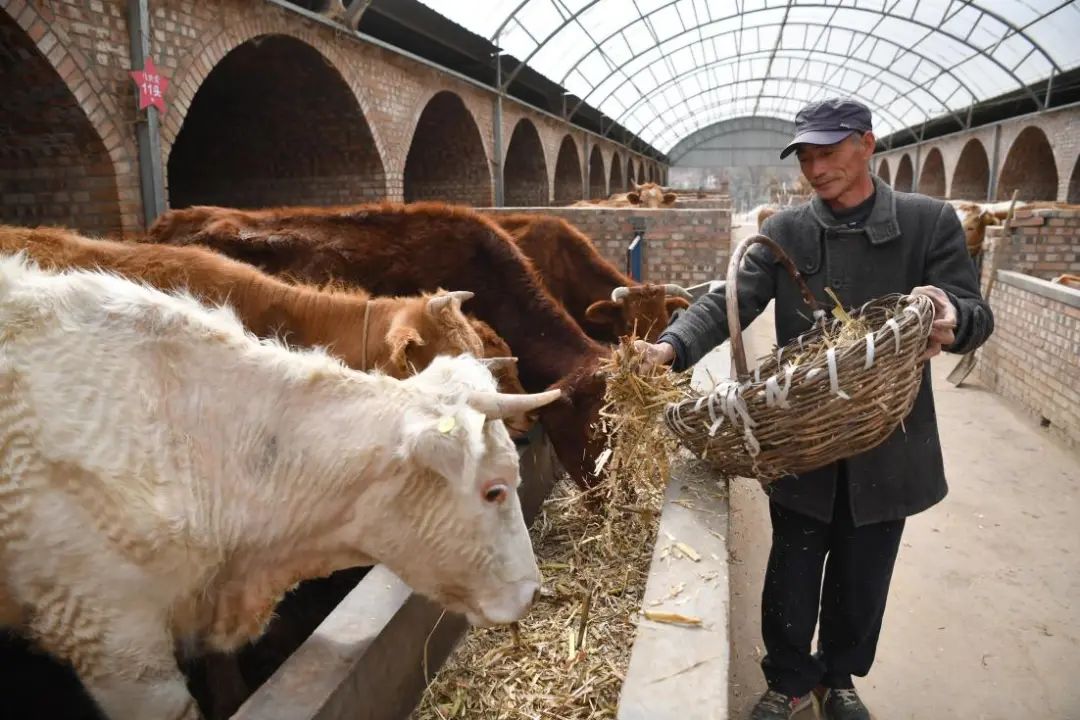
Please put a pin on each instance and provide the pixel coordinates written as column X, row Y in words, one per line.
column 731, row 293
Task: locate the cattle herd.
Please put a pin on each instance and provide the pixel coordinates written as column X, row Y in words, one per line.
column 194, row 421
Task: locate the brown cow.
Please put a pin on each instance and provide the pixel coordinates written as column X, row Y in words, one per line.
column 647, row 195
column 1068, row 280
column 402, row 334
column 606, row 303
column 393, row 248
column 974, row 218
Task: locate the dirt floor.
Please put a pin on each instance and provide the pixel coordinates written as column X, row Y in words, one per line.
column 983, row 619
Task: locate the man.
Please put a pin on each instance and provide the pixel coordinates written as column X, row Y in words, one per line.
column 863, row 240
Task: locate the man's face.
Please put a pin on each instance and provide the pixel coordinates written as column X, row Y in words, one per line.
column 834, row 169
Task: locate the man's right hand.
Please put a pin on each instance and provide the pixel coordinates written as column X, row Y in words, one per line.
column 654, row 354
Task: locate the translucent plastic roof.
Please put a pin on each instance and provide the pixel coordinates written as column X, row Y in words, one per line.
column 665, row 68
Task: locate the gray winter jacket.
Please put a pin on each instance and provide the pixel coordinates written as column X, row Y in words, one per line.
column 908, row 240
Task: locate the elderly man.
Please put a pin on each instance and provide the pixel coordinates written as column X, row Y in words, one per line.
column 863, row 240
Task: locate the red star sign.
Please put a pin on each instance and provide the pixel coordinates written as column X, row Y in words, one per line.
column 152, row 86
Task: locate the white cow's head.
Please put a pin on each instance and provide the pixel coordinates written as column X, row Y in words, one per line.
column 461, row 540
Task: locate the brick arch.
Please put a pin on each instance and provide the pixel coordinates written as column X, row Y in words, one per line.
column 932, row 175
column 971, row 178
column 185, row 85
column 525, row 173
column 274, row 124
column 616, row 179
column 55, row 167
column 1073, row 194
column 1029, row 167
column 632, row 174
column 568, row 181
column 597, row 178
column 905, row 174
column 883, row 171
column 447, row 159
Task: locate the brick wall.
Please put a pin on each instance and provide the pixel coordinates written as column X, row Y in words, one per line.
column 84, row 62
column 569, row 186
column 54, row 167
column 1033, row 356
column 683, row 246
column 271, row 126
column 446, row 159
column 525, row 175
column 1040, row 163
column 1042, row 243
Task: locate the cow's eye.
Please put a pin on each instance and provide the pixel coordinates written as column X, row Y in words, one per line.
column 496, row 494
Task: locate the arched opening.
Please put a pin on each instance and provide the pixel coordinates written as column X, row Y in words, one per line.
column 274, row 124
column 446, row 160
column 932, row 176
column 1074, row 184
column 615, row 180
column 568, row 186
column 54, row 168
column 972, row 176
column 631, row 174
column 596, row 174
column 1029, row 167
column 650, row 176
column 883, row 171
column 905, row 175
column 525, row 178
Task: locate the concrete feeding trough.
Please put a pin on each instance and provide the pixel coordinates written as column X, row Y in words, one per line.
column 372, row 656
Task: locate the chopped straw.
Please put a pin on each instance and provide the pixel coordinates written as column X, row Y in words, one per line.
column 567, row 659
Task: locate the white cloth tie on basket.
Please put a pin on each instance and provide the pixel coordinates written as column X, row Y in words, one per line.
column 726, row 402
column 775, row 394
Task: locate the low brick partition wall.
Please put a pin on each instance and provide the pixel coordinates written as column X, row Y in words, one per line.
column 681, row 245
column 1043, row 243
column 1033, row 356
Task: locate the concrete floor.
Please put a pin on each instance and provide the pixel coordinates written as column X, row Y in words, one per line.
column 982, row 618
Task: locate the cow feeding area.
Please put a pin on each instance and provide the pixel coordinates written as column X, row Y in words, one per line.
column 568, row 658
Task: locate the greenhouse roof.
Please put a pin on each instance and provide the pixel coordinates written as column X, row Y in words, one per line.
column 665, row 68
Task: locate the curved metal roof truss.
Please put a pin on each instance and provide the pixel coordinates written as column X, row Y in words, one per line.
column 664, row 68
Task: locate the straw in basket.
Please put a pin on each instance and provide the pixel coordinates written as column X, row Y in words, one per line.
column 837, row 390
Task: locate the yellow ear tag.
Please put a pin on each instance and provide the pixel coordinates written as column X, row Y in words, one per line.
column 446, row 424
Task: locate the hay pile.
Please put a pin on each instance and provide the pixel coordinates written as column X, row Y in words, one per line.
column 568, row 658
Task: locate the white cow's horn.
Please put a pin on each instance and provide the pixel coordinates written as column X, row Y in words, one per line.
column 678, row 291
column 619, row 293
column 497, row 363
column 439, row 302
column 496, row 405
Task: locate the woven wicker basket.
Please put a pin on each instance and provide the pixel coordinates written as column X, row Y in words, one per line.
column 788, row 418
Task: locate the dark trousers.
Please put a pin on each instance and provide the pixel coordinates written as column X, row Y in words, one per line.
column 858, row 564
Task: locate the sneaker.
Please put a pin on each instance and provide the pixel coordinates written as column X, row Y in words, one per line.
column 843, row 704
column 774, row 705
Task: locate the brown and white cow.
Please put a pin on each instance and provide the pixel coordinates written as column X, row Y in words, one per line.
column 605, row 302
column 391, row 248
column 165, row 477
column 646, row 195
column 975, row 218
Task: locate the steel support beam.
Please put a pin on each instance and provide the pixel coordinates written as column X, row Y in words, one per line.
column 995, row 158
column 354, row 11
column 147, row 131
column 500, row 196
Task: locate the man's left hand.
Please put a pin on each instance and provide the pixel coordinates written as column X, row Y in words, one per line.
column 943, row 332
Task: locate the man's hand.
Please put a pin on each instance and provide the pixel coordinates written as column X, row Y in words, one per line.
column 653, row 355
column 943, row 331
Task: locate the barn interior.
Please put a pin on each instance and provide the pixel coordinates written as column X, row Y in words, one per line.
column 564, row 108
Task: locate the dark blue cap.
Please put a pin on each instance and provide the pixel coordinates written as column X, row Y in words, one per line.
column 827, row 122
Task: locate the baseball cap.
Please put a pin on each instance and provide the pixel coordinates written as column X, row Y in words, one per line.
column 828, row 121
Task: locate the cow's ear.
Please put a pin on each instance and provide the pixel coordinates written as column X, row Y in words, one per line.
column 400, row 340
column 673, row 303
column 989, row 218
column 670, row 198
column 603, row 312
column 633, row 198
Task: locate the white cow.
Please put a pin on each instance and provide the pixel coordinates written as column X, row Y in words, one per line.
column 166, row 477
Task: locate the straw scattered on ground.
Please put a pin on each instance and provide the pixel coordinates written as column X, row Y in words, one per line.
column 568, row 658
